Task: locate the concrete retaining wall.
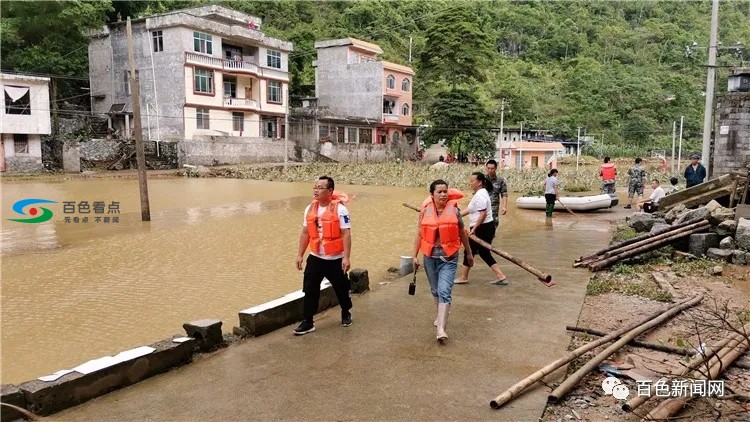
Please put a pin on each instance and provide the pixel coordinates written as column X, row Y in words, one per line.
column 217, row 150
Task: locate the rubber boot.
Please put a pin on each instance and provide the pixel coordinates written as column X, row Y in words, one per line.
column 437, row 302
column 443, row 309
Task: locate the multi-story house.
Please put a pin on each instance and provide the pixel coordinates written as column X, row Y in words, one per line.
column 24, row 117
column 351, row 80
column 202, row 71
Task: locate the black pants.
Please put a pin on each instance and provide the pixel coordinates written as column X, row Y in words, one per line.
column 550, row 198
column 485, row 232
column 317, row 268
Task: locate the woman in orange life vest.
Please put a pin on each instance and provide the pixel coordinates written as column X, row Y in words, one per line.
column 439, row 237
column 326, row 231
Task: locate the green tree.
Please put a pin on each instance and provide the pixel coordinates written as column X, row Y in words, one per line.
column 461, row 120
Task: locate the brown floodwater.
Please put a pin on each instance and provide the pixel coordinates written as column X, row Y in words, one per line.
column 77, row 291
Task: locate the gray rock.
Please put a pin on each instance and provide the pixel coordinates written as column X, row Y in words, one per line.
column 742, row 235
column 360, row 280
column 206, row 331
column 692, row 215
column 675, row 212
column 720, row 215
column 740, row 257
column 700, row 243
column 726, row 228
column 717, row 270
column 641, row 222
column 713, row 205
column 720, row 254
column 727, row 243
column 659, row 226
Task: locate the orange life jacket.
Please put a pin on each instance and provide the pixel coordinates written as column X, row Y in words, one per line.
column 342, row 197
column 446, row 226
column 332, row 241
column 453, row 196
column 609, row 171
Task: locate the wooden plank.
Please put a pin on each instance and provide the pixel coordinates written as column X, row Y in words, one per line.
column 687, row 196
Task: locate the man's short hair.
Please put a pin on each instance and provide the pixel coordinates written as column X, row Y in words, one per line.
column 638, row 160
column 655, row 180
column 328, row 180
column 493, row 162
column 606, row 159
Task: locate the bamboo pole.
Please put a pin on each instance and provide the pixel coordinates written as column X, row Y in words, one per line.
column 671, row 406
column 576, row 377
column 543, row 277
column 635, row 239
column 647, row 241
column 598, row 265
column 636, row 343
column 532, row 379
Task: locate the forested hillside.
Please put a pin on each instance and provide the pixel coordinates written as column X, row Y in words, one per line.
column 616, row 69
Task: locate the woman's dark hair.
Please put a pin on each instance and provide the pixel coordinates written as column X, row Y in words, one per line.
column 482, row 178
column 437, row 182
column 552, row 173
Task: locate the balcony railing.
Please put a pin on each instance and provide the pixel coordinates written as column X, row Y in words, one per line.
column 221, row 64
column 240, row 103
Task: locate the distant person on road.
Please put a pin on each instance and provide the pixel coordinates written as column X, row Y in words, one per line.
column 499, row 190
column 652, row 203
column 695, row 173
column 326, row 229
column 440, row 235
column 481, row 225
column 636, row 175
column 608, row 174
column 551, row 191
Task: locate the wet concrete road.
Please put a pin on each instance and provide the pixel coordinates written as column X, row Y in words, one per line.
column 387, row 366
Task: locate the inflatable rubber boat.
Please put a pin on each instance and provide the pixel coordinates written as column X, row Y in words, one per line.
column 574, row 203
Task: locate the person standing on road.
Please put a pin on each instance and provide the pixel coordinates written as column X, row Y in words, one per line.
column 326, row 229
column 551, row 191
column 608, row 174
column 636, row 174
column 499, row 190
column 695, row 173
column 479, row 211
column 440, row 235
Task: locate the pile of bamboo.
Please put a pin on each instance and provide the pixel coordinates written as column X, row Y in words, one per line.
column 645, row 243
column 622, row 336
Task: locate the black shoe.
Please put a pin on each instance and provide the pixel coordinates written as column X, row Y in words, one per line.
column 346, row 318
column 627, row 207
column 304, row 328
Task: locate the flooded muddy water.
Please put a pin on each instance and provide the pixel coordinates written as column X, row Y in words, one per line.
column 77, row 291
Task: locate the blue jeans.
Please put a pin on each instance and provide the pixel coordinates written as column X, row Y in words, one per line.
column 441, row 273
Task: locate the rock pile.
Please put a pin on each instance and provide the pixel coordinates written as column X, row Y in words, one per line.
column 728, row 240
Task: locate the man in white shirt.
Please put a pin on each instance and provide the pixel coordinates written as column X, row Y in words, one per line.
column 652, row 203
column 326, row 229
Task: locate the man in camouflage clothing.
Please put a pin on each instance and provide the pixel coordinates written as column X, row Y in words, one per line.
column 499, row 189
column 637, row 175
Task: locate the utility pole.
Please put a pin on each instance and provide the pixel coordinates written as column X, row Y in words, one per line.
column 520, row 149
column 140, row 155
column 502, row 116
column 679, row 154
column 55, row 115
column 286, row 130
column 410, row 40
column 708, row 111
column 674, row 133
column 578, row 148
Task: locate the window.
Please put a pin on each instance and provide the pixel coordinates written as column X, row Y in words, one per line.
column 395, row 137
column 365, row 136
column 230, row 86
column 238, row 121
column 389, row 106
column 274, row 92
column 21, row 143
column 202, row 43
column 405, row 85
column 390, row 82
column 352, row 135
column 268, row 126
column 322, row 132
column 405, row 110
column 204, row 81
column 158, row 39
column 273, row 59
column 201, row 117
column 17, row 100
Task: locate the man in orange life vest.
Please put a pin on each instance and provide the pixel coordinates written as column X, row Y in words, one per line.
column 608, row 173
column 326, row 230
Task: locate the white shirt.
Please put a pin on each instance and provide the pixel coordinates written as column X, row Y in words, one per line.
column 657, row 195
column 344, row 222
column 480, row 202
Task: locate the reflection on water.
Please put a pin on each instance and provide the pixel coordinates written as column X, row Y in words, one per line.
column 72, row 292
